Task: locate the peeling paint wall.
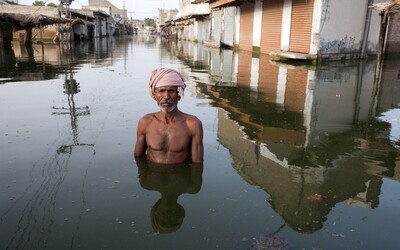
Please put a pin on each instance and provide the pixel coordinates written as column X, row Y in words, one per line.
column 342, row 28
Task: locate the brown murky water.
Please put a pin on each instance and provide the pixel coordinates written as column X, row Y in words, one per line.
column 296, row 156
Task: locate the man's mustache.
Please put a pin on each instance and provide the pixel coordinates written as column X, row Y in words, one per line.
column 166, row 102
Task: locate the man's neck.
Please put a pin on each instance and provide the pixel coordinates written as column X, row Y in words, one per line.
column 168, row 117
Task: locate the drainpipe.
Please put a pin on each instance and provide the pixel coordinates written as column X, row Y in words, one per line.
column 382, row 41
column 366, row 29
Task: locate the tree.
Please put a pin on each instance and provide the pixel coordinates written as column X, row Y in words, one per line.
column 149, row 22
column 39, row 3
column 51, row 4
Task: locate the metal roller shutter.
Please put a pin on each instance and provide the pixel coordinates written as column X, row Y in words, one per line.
column 216, row 32
column 271, row 29
column 229, row 24
column 246, row 26
column 301, row 26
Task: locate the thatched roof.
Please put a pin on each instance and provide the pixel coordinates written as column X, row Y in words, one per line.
column 22, row 17
column 29, row 9
column 82, row 21
column 6, row 2
column 389, row 7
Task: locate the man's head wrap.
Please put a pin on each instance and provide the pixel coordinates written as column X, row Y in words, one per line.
column 166, row 77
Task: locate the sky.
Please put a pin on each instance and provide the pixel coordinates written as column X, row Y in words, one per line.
column 138, row 9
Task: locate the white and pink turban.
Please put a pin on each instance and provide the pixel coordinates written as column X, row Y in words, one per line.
column 166, row 77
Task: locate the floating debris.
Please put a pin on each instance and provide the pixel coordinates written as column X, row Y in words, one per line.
column 319, row 197
column 269, row 242
column 338, row 235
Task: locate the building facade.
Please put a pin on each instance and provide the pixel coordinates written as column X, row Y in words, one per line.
column 297, row 29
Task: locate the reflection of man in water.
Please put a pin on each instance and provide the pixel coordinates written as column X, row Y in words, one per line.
column 167, row 214
column 169, row 136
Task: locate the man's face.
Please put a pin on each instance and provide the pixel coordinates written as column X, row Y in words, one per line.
column 167, row 98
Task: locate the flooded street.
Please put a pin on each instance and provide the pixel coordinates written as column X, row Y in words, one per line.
column 295, row 156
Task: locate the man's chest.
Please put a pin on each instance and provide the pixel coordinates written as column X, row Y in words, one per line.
column 168, row 137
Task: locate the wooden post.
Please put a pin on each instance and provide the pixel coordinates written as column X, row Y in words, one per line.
column 41, row 33
column 6, row 36
column 28, row 36
column 42, row 43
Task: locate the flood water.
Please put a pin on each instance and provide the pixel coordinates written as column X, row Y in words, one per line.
column 296, row 156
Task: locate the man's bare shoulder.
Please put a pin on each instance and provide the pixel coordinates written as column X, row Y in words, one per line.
column 148, row 118
column 192, row 120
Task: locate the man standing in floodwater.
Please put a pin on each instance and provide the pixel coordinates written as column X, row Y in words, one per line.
column 169, row 136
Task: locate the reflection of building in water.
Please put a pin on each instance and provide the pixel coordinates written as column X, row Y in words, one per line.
column 7, row 62
column 52, row 55
column 48, row 62
column 297, row 131
column 195, row 58
column 302, row 106
column 290, row 186
column 389, row 93
column 30, row 63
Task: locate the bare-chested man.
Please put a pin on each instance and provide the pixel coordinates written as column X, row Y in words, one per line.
column 169, row 136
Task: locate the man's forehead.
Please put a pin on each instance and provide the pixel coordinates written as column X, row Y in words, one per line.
column 167, row 87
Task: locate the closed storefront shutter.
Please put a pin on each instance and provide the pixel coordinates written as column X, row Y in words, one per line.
column 301, row 26
column 229, row 22
column 216, row 32
column 271, row 29
column 246, row 26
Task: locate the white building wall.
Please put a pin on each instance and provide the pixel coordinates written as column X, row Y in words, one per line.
column 316, row 27
column 187, row 9
column 286, row 20
column 257, row 22
column 373, row 36
column 235, row 67
column 340, row 34
column 281, row 86
column 237, row 26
